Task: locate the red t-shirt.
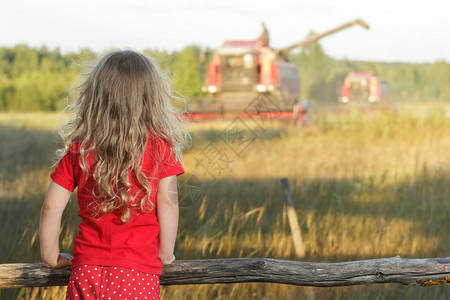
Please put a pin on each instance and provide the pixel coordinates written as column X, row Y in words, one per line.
column 106, row 240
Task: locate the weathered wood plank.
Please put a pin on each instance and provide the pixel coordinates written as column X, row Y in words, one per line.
column 385, row 270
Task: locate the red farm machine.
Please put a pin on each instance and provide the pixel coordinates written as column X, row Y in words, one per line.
column 363, row 87
column 240, row 71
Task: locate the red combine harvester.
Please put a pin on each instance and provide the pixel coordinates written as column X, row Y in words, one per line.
column 363, row 87
column 240, row 71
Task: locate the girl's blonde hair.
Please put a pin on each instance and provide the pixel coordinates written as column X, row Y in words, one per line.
column 117, row 104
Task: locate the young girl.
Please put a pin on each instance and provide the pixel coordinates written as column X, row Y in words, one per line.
column 122, row 151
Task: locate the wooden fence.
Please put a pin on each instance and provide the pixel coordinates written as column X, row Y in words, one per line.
column 422, row 272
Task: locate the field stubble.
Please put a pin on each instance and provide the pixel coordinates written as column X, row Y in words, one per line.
column 364, row 186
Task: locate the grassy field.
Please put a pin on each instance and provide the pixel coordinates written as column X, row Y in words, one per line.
column 365, row 185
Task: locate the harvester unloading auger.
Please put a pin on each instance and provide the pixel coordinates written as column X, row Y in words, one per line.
column 314, row 38
column 242, row 70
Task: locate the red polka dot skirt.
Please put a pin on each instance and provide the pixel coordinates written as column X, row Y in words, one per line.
column 97, row 282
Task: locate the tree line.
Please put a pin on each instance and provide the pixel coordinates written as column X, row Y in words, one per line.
column 39, row 78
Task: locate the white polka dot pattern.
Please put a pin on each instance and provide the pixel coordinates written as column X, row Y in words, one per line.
column 96, row 282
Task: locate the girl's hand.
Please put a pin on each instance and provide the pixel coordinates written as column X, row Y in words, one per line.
column 166, row 259
column 64, row 260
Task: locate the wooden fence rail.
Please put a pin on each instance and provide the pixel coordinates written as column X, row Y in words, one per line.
column 422, row 272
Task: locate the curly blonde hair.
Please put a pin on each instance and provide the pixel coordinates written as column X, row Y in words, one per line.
column 116, row 104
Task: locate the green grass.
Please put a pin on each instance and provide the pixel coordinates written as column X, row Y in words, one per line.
column 365, row 185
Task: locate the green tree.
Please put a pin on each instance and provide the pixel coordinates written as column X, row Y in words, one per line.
column 186, row 72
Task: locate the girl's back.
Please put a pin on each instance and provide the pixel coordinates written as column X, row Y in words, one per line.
column 122, row 152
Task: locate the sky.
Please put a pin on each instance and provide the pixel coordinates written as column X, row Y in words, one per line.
column 404, row 31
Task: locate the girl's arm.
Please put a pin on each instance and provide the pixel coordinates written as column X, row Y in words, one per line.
column 55, row 202
column 167, row 213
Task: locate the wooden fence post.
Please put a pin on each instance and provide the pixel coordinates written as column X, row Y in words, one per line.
column 293, row 221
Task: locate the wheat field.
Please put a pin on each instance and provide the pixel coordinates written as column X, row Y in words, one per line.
column 365, row 185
